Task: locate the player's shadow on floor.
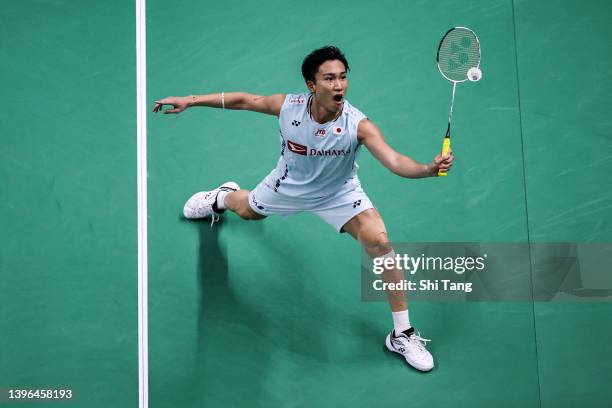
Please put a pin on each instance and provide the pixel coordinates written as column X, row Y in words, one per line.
column 237, row 340
column 226, row 330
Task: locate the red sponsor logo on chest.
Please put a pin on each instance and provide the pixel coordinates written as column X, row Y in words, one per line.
column 297, row 148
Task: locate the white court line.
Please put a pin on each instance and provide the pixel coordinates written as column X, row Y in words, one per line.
column 141, row 164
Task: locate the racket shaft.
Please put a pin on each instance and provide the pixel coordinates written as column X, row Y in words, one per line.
column 450, row 113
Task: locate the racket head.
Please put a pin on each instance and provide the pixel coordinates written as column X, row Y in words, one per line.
column 458, row 51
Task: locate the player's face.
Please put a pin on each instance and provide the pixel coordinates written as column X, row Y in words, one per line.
column 330, row 85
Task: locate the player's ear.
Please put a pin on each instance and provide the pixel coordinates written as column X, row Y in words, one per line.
column 311, row 85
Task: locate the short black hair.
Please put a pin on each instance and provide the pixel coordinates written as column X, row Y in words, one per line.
column 313, row 61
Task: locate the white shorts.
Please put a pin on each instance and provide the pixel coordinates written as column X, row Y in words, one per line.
column 336, row 210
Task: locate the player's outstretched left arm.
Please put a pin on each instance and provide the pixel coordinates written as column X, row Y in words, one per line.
column 270, row 105
column 370, row 135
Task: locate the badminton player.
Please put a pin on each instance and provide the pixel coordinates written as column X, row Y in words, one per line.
column 320, row 136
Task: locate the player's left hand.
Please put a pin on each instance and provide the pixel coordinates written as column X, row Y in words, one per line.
column 442, row 163
column 178, row 103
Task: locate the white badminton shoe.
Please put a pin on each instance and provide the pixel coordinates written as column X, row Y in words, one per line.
column 412, row 347
column 204, row 203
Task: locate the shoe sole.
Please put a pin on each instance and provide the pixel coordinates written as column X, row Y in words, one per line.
column 391, row 349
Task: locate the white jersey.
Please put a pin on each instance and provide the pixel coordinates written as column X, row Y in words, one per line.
column 317, row 160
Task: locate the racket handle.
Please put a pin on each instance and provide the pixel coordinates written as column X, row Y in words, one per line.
column 445, row 150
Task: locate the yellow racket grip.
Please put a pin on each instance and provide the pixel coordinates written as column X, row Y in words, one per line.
column 445, row 150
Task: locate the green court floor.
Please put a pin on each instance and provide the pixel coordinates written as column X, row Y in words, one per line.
column 269, row 314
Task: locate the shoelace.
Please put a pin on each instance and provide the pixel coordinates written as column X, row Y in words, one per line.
column 416, row 340
column 421, row 342
column 214, row 218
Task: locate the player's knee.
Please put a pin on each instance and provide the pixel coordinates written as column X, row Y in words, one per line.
column 244, row 213
column 247, row 214
column 377, row 244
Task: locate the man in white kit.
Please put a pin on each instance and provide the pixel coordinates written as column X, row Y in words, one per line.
column 320, row 135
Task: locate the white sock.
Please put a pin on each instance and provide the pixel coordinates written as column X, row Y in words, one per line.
column 401, row 321
column 221, row 199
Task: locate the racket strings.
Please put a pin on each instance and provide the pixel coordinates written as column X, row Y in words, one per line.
column 459, row 51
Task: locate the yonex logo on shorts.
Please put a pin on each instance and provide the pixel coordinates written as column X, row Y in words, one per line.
column 297, row 148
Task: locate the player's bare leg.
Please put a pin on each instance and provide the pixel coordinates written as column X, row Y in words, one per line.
column 214, row 202
column 369, row 229
column 238, row 202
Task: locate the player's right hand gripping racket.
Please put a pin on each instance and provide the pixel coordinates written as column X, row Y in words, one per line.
column 458, row 55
